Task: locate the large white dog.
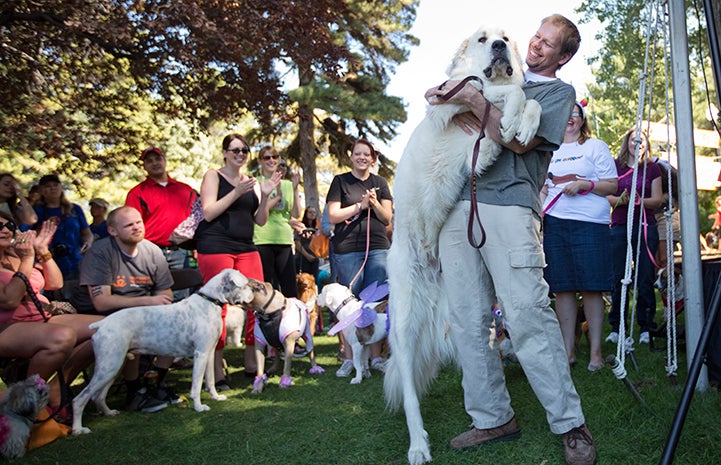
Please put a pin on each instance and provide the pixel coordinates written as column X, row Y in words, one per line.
column 189, row 328
column 435, row 165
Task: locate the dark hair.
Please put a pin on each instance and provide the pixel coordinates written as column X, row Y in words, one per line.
column 571, row 36
column 367, row 143
column 624, row 153
column 230, row 138
column 66, row 208
column 307, row 221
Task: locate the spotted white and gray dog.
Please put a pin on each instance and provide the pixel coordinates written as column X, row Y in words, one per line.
column 189, row 328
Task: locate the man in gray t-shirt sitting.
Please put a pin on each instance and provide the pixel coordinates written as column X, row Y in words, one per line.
column 121, row 271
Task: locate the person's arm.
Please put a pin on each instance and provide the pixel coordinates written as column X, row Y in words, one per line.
column 86, row 236
column 24, row 211
column 295, row 211
column 105, row 301
column 471, row 122
column 383, row 208
column 51, row 272
column 602, row 187
column 338, row 214
column 12, row 293
column 656, row 200
column 304, row 252
column 263, row 192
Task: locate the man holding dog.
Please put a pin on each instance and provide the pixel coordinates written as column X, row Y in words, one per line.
column 509, row 267
column 121, row 271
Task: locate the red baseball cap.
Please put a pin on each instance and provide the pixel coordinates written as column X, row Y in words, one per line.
column 151, row 150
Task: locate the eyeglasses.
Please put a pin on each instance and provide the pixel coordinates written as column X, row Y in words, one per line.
column 575, row 114
column 245, row 150
column 10, row 225
column 268, row 157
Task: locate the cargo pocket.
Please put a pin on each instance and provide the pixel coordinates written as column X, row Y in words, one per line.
column 528, row 289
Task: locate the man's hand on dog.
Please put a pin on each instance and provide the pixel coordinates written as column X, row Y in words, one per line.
column 467, row 121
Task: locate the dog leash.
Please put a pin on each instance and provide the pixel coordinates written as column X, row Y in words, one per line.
column 556, row 179
column 473, row 215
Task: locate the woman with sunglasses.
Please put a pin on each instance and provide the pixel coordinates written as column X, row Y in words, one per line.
column 233, row 203
column 49, row 342
column 275, row 239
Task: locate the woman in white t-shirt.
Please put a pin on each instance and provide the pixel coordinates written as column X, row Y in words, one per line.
column 576, row 238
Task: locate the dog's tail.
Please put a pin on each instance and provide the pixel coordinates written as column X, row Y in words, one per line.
column 418, row 335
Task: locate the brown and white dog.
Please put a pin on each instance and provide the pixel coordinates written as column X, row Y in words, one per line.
column 279, row 323
column 20, row 405
column 340, row 300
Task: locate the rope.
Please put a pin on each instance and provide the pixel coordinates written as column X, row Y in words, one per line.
column 625, row 345
column 670, row 310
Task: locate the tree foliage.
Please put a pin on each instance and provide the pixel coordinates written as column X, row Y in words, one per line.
column 628, row 25
column 88, row 83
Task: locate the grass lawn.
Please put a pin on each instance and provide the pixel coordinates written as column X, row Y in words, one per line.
column 325, row 420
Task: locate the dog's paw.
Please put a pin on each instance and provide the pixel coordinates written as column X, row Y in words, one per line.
column 356, row 380
column 316, row 370
column 111, row 413
column 201, row 408
column 286, row 381
column 259, row 383
column 81, row 430
column 367, row 372
column 220, row 397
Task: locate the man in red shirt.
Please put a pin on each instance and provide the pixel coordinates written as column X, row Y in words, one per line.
column 163, row 203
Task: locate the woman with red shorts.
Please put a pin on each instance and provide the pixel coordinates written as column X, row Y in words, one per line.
column 232, row 203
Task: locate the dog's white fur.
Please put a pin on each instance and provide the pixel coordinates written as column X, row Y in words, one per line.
column 235, row 325
column 187, row 328
column 20, row 405
column 433, row 169
column 332, row 296
column 263, row 300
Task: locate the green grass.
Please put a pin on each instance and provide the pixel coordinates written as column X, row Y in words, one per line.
column 325, row 420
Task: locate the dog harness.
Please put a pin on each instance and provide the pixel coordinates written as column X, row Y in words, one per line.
column 274, row 328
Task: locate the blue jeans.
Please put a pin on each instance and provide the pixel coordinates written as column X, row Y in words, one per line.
column 348, row 264
column 645, row 293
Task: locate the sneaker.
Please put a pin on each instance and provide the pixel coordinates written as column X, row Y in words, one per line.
column 476, row 437
column 644, row 338
column 612, row 337
column 379, row 364
column 144, row 402
column 345, row 369
column 165, row 394
column 580, row 449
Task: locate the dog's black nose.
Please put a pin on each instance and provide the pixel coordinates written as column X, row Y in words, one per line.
column 498, row 45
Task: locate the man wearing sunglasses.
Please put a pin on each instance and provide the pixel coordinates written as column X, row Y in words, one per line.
column 163, row 203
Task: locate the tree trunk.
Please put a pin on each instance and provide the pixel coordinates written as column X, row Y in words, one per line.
column 306, row 140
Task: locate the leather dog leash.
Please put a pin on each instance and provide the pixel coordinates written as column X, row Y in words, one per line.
column 473, row 215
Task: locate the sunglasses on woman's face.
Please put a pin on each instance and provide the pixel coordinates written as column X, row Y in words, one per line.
column 270, row 157
column 245, row 150
column 10, row 225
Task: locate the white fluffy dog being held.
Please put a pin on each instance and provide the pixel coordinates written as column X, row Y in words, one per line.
column 435, row 165
column 361, row 324
column 189, row 328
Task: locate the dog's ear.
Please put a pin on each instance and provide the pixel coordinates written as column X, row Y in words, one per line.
column 458, row 63
column 237, row 278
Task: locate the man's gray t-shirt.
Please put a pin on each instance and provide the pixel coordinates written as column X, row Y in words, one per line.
column 105, row 264
column 517, row 179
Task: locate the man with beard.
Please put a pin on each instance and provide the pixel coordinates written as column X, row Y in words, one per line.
column 121, row 271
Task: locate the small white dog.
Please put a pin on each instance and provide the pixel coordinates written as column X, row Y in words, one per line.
column 279, row 323
column 433, row 169
column 20, row 405
column 189, row 328
column 349, row 311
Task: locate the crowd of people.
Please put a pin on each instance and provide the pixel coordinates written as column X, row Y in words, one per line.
column 565, row 183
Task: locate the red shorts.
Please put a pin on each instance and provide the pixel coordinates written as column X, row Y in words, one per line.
column 248, row 263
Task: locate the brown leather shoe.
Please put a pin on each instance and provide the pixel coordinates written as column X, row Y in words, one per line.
column 579, row 445
column 476, row 437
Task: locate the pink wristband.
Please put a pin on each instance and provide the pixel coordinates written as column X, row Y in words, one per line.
column 593, row 185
